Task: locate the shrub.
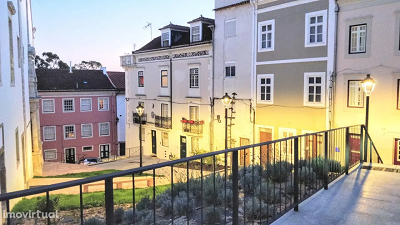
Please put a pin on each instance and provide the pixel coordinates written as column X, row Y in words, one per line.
column 181, row 205
column 179, row 187
column 144, row 217
column 335, row 166
column 259, row 211
column 249, row 181
column 289, row 188
column 307, row 175
column 128, row 216
column 195, row 187
column 208, row 187
column 119, row 215
column 207, row 160
column 41, row 204
column 318, row 165
column 279, row 171
column 163, row 197
column 93, row 221
column 229, row 198
column 144, row 204
column 267, row 193
column 212, row 216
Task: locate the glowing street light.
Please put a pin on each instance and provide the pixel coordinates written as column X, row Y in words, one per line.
column 140, row 110
column 368, row 85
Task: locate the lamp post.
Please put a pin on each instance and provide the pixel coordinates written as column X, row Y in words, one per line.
column 226, row 101
column 140, row 110
column 368, row 85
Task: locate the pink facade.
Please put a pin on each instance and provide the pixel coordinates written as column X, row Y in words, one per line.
column 94, row 112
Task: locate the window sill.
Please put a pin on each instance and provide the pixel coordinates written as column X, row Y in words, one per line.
column 266, row 49
column 314, row 105
column 265, row 102
column 193, row 98
column 309, row 45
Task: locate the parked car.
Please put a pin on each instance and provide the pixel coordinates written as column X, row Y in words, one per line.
column 88, row 161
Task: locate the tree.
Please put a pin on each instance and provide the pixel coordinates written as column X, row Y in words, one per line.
column 50, row 61
column 88, row 65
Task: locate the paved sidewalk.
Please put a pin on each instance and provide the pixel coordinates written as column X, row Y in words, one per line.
column 56, row 168
column 362, row 197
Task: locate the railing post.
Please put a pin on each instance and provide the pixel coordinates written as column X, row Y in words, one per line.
column 370, row 150
column 347, row 153
column 365, row 145
column 326, row 167
column 109, row 200
column 235, row 187
column 296, row 174
column 361, row 143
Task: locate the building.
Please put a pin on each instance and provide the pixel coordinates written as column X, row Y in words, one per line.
column 293, row 68
column 368, row 43
column 18, row 147
column 233, row 66
column 171, row 77
column 118, row 80
column 77, row 114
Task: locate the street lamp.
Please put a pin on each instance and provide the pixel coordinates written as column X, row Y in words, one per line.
column 140, row 110
column 226, row 101
column 368, row 85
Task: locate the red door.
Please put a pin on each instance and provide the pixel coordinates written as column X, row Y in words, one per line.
column 354, row 148
column 396, row 152
column 265, row 156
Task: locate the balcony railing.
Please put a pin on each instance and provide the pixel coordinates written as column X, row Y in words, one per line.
column 194, row 127
column 136, row 118
column 163, row 122
column 250, row 184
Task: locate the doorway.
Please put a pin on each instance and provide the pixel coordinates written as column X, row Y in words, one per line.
column 104, row 151
column 244, row 154
column 153, row 142
column 70, row 155
column 266, row 150
column 183, row 147
column 122, row 149
column 397, row 152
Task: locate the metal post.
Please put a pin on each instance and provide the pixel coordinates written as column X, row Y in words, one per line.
column 367, row 113
column 365, row 145
column 370, row 150
column 48, row 207
column 361, row 144
column 326, row 167
column 81, row 202
column 235, row 187
column 296, row 174
column 109, row 201
column 140, row 140
column 347, row 153
column 226, row 128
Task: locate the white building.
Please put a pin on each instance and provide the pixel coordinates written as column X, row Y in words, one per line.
column 171, row 77
column 16, row 86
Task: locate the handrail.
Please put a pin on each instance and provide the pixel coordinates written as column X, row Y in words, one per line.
column 372, row 142
column 73, row 183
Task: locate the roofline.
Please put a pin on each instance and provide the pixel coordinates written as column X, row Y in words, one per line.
column 233, row 5
column 173, row 47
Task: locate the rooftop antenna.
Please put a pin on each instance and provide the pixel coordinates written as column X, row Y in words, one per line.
column 134, row 46
column 151, row 30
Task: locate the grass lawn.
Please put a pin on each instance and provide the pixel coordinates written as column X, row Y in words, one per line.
column 95, row 199
column 93, row 174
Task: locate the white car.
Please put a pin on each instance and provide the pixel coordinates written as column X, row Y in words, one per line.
column 88, row 161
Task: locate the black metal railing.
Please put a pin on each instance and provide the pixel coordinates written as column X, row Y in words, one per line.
column 163, row 122
column 255, row 183
column 136, row 118
column 194, row 127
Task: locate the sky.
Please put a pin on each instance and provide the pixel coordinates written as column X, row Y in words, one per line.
column 103, row 30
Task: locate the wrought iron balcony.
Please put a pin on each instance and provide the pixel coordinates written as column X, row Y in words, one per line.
column 136, row 118
column 194, row 127
column 163, row 122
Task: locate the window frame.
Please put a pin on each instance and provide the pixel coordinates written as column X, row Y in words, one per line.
column 73, row 125
column 161, row 74
column 194, row 75
column 108, row 103
column 260, row 33
column 192, row 143
column 11, row 49
column 87, row 150
column 54, row 107
column 165, row 143
column 55, row 133
column 73, row 105
column 163, row 39
column 348, row 95
column 307, row 42
column 50, row 150
column 139, row 76
column 358, row 33
column 91, row 105
column 192, row 35
column 306, row 89
column 225, row 24
column 190, row 112
column 263, row 76
column 229, row 65
column 91, row 129
column 161, row 109
column 109, row 129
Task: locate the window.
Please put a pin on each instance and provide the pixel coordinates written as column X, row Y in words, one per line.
column 164, row 78
column 314, row 85
column 164, row 110
column 50, row 154
column 17, row 144
column 140, row 79
column 355, row 94
column 49, row 133
column 87, row 148
column 11, row 40
column 165, row 39
column 230, row 28
column 230, row 70
column 86, row 104
column 265, row 89
column 69, row 131
column 48, row 106
column 19, row 51
column 196, row 33
column 103, row 104
column 104, row 129
column 87, row 130
column 358, row 37
column 194, row 77
column 164, row 139
column 194, row 113
column 266, row 38
column 195, row 144
column 315, row 28
column 68, row 105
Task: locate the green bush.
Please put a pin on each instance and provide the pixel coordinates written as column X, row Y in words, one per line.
column 279, row 171
column 307, row 175
column 267, row 193
column 181, row 204
column 195, row 187
column 93, row 221
column 289, row 188
column 212, row 216
column 229, row 198
column 335, row 166
column 165, row 196
column 145, row 203
column 119, row 215
column 41, row 204
column 128, row 216
column 318, row 165
column 144, row 217
column 259, row 211
column 208, row 160
column 250, row 178
column 211, row 197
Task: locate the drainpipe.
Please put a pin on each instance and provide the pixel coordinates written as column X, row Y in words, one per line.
column 212, row 27
column 170, row 85
column 253, row 70
column 334, row 74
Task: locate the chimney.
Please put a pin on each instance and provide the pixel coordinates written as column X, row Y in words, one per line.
column 70, row 67
column 104, row 70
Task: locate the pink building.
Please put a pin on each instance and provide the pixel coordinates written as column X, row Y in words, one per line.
column 77, row 114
